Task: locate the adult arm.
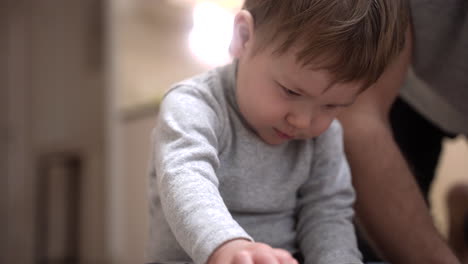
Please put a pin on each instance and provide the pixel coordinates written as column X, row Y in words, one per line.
column 389, row 205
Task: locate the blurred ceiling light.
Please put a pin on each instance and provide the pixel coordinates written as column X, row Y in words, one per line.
column 212, row 30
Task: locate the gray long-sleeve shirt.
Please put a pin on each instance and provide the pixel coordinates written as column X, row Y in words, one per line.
column 212, row 180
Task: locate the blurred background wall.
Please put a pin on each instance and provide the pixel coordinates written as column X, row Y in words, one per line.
column 53, row 97
column 82, row 80
column 3, row 137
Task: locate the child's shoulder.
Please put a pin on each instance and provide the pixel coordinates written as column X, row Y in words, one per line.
column 195, row 104
column 210, row 85
column 201, row 97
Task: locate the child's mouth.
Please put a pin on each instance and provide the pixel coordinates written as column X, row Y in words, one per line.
column 283, row 135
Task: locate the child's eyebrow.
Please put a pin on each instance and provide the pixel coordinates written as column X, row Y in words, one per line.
column 303, row 92
column 290, row 85
column 346, row 104
column 328, row 87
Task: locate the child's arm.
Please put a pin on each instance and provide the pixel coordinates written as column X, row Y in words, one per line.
column 185, row 160
column 325, row 229
column 241, row 251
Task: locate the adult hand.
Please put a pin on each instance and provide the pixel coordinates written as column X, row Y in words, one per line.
column 240, row 251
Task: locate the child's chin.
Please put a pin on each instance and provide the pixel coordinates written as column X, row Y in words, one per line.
column 274, row 142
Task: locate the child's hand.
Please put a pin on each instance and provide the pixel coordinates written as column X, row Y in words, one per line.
column 241, row 251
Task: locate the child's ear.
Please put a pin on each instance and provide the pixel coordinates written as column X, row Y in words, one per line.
column 243, row 33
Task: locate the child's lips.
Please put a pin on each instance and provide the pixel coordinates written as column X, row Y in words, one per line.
column 283, row 135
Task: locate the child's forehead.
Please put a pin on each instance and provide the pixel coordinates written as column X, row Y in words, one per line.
column 289, row 64
column 287, row 67
column 290, row 68
column 293, row 53
column 295, row 63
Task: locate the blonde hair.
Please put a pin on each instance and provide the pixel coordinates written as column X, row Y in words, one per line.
column 352, row 39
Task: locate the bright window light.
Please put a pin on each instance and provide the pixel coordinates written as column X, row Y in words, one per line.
column 211, row 33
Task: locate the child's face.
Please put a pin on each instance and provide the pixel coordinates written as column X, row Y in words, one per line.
column 283, row 101
column 280, row 99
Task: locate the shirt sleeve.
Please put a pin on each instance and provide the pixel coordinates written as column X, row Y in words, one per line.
column 186, row 159
column 325, row 229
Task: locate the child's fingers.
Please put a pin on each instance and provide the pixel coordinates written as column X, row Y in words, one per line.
column 284, row 256
column 243, row 257
column 265, row 257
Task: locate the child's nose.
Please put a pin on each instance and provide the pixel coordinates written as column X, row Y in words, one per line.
column 301, row 120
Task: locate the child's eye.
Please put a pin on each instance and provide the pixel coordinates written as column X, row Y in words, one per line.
column 287, row 91
column 330, row 107
column 290, row 92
